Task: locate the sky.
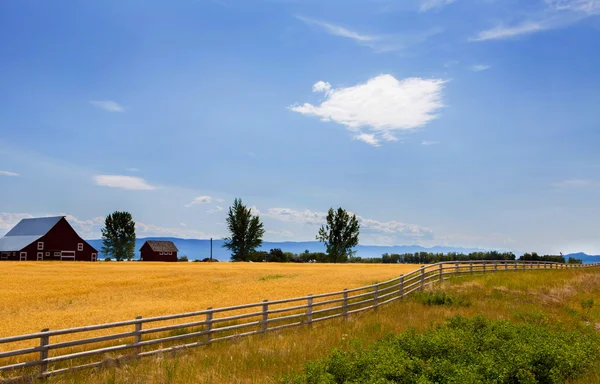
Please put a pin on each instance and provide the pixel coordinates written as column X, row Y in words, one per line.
column 469, row 123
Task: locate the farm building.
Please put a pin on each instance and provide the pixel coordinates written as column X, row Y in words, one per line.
column 45, row 238
column 154, row 250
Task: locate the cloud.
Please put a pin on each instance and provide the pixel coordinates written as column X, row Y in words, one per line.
column 321, row 86
column 200, row 200
column 426, row 142
column 576, row 183
column 479, row 67
column 123, row 182
column 9, row 220
column 215, row 209
column 7, row 173
column 383, row 105
column 393, row 228
column 368, row 138
column 503, row 32
column 427, row 5
column 554, row 14
column 107, row 105
column 280, row 234
column 337, row 30
column 378, row 43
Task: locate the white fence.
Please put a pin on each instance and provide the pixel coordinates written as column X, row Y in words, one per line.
column 45, row 355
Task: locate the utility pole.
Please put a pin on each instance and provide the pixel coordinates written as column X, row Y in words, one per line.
column 211, row 249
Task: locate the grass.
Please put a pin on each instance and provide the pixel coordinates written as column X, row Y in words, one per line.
column 55, row 295
column 557, row 300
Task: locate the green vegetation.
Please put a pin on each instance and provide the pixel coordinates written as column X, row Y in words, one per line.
column 118, row 236
column 340, row 235
column 275, row 277
column 462, row 350
column 439, row 297
column 246, row 232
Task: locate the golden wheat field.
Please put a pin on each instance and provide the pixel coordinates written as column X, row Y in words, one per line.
column 36, row 295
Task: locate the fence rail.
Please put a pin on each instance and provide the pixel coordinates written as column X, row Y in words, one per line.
column 49, row 357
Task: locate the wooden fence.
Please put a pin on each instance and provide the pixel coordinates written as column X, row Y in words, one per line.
column 47, row 355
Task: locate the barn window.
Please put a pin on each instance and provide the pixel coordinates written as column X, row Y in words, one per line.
column 4, row 256
column 57, row 254
column 40, row 245
column 40, row 255
column 160, row 253
column 80, row 247
column 94, row 256
column 47, row 254
column 23, row 256
column 170, row 253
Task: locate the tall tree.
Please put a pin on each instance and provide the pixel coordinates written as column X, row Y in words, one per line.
column 246, row 231
column 340, row 235
column 118, row 236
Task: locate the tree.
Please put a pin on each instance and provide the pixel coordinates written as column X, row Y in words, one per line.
column 246, row 232
column 118, row 236
column 340, row 235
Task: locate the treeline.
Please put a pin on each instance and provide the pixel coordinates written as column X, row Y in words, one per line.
column 551, row 258
column 278, row 256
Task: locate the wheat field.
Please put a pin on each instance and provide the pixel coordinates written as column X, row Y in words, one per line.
column 37, row 295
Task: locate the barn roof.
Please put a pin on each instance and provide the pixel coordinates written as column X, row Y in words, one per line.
column 162, row 246
column 26, row 232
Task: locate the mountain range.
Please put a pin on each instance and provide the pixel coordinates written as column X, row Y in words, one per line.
column 196, row 249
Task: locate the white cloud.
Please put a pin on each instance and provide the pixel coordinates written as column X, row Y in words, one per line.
column 280, row 234
column 123, row 182
column 555, row 14
column 107, row 105
column 200, row 200
column 368, row 138
column 9, row 220
column 337, row 30
column 384, row 105
column 480, row 67
column 215, row 209
column 427, row 142
column 7, row 173
column 576, row 183
column 392, row 228
column 183, row 224
column 503, row 32
column 427, row 5
column 321, row 86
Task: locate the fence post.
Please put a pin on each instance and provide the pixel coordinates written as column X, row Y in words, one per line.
column 345, row 304
column 44, row 340
column 209, row 323
column 530, row 265
column 422, row 278
column 376, row 296
column 483, row 266
column 401, row 286
column 137, row 338
column 506, row 265
column 456, row 268
column 441, row 273
column 471, row 267
column 495, row 266
column 265, row 316
column 309, row 309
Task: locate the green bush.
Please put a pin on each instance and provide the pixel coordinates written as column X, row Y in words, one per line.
column 462, row 350
column 440, row 298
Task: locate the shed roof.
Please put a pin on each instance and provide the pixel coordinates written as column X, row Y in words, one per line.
column 26, row 232
column 161, row 246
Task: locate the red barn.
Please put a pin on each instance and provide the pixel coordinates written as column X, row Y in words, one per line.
column 154, row 250
column 45, row 238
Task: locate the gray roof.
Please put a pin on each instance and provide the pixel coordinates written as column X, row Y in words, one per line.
column 162, row 246
column 26, row 232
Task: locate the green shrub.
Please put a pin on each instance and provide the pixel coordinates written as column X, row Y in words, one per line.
column 462, row 350
column 440, row 298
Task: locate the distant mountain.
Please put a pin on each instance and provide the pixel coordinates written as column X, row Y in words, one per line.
column 587, row 259
column 196, row 249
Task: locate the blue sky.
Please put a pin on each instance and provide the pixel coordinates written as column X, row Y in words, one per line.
column 438, row 122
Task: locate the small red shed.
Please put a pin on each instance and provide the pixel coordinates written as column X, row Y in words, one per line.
column 45, row 238
column 155, row 250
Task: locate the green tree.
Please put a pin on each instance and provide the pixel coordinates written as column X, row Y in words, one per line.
column 118, row 236
column 246, row 232
column 340, row 235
